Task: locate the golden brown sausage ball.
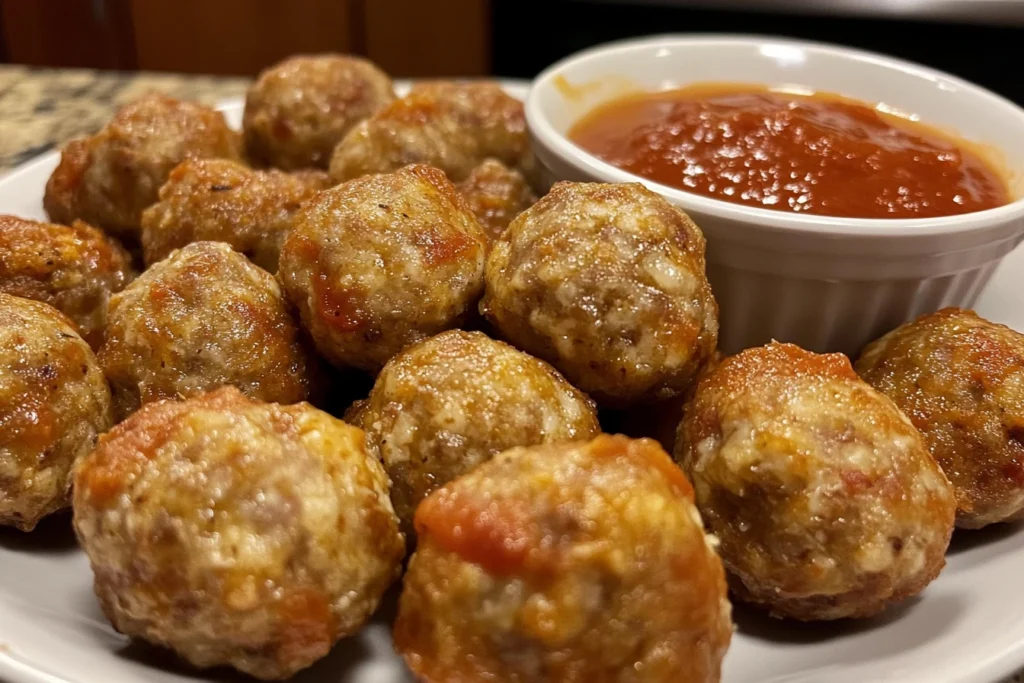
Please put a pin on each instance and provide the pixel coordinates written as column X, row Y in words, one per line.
column 606, row 283
column 108, row 179
column 496, row 194
column 960, row 380
column 54, row 402
column 74, row 269
column 565, row 562
column 447, row 404
column 822, row 493
column 224, row 201
column 381, row 262
column 299, row 109
column 201, row 318
column 237, row 532
column 452, row 126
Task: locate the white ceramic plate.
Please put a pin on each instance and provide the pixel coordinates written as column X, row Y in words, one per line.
column 965, row 628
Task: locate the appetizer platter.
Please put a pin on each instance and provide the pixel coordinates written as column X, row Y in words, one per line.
column 359, row 393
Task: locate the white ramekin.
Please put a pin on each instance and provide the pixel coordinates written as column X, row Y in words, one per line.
column 829, row 284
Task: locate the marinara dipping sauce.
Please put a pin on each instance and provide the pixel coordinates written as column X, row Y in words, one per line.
column 820, row 154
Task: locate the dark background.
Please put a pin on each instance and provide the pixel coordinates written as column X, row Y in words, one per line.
column 981, row 40
column 990, row 54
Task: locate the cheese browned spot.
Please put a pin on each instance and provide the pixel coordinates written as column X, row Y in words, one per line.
column 606, row 282
column 202, row 318
column 381, row 262
column 54, row 402
column 298, row 109
column 444, row 405
column 237, row 532
column 960, row 380
column 108, row 179
column 221, row 200
column 564, row 562
column 822, row 494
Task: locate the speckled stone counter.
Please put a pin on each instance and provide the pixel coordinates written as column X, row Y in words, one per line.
column 41, row 109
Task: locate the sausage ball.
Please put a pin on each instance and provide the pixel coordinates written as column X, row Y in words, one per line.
column 822, row 493
column 237, row 532
column 54, row 402
column 496, row 194
column 224, row 201
column 109, row 178
column 298, row 110
column 199, row 319
column 565, row 562
column 74, row 269
column 960, row 380
column 447, row 404
column 452, row 126
column 383, row 261
column 606, row 283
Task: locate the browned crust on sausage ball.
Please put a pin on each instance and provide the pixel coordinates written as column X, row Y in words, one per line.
column 237, row 532
column 443, row 406
column 54, row 402
column 605, row 282
column 63, row 195
column 496, row 194
column 960, row 380
column 381, row 262
column 299, row 109
column 73, row 268
column 452, row 126
column 565, row 562
column 224, row 201
column 823, row 495
column 109, row 178
column 203, row 317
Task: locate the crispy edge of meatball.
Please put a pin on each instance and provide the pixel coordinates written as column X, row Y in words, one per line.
column 442, row 363
column 734, row 376
column 61, row 198
column 496, row 194
column 448, row 124
column 512, row 295
column 121, row 457
column 107, row 179
column 124, row 351
column 336, row 316
column 265, row 131
column 36, row 411
column 224, row 201
column 73, row 268
column 960, row 431
column 467, row 551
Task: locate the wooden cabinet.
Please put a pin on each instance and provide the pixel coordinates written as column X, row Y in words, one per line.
column 240, row 37
column 77, row 33
column 235, row 36
column 425, row 38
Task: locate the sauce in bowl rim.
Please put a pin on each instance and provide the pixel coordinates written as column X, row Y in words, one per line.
column 600, row 63
column 793, row 150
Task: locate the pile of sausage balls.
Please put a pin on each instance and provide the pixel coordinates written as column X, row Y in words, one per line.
column 168, row 337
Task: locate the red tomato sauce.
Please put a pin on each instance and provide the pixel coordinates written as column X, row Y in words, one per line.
column 819, row 154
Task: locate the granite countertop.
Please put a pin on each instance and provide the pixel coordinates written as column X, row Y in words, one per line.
column 42, row 108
